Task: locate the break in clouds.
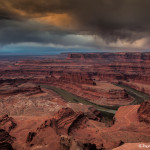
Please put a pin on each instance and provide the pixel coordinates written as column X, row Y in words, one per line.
column 76, row 23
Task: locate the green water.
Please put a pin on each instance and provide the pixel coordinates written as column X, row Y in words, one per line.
column 76, row 99
column 107, row 111
column 138, row 96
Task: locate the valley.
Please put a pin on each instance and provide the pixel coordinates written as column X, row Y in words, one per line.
column 87, row 101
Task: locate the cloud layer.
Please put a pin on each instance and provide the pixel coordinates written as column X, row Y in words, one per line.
column 96, row 23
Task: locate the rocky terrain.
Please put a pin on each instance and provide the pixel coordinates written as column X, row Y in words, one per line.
column 28, row 99
column 75, row 101
column 12, row 89
column 68, row 129
column 142, row 87
column 75, row 127
column 133, row 146
column 104, row 93
column 117, row 56
column 77, row 77
column 143, row 112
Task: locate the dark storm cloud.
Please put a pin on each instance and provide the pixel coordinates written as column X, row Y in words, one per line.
column 13, row 32
column 27, row 31
column 111, row 19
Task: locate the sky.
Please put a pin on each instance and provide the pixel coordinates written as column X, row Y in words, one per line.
column 54, row 26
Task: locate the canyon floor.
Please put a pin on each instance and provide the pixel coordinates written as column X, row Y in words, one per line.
column 75, row 101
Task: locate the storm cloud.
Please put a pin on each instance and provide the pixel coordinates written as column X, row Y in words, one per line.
column 53, row 21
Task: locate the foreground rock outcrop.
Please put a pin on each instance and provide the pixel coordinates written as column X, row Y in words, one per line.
column 144, row 112
column 64, row 121
column 68, row 129
column 61, row 126
column 133, row 146
column 7, row 123
column 6, row 140
column 68, row 143
column 75, row 129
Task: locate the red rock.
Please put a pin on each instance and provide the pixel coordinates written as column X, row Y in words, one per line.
column 76, row 74
column 12, row 89
column 6, row 146
column 77, row 77
column 144, row 112
column 142, row 87
column 63, row 121
column 110, row 144
column 111, row 56
column 104, row 93
column 30, row 137
column 106, row 66
column 5, row 140
column 7, row 123
column 69, row 129
column 94, row 114
column 133, row 146
column 67, row 142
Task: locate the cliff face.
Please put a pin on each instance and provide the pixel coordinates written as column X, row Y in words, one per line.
column 103, row 93
column 12, row 89
column 111, row 56
column 6, row 125
column 77, row 130
column 105, row 66
column 61, row 125
column 68, row 143
column 144, row 112
column 6, row 140
column 117, row 66
column 77, row 77
column 68, row 129
column 63, row 121
column 83, row 77
column 142, row 87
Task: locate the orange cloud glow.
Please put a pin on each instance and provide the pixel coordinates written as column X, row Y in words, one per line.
column 63, row 20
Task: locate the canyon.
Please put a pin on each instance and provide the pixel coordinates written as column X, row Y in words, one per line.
column 87, row 101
